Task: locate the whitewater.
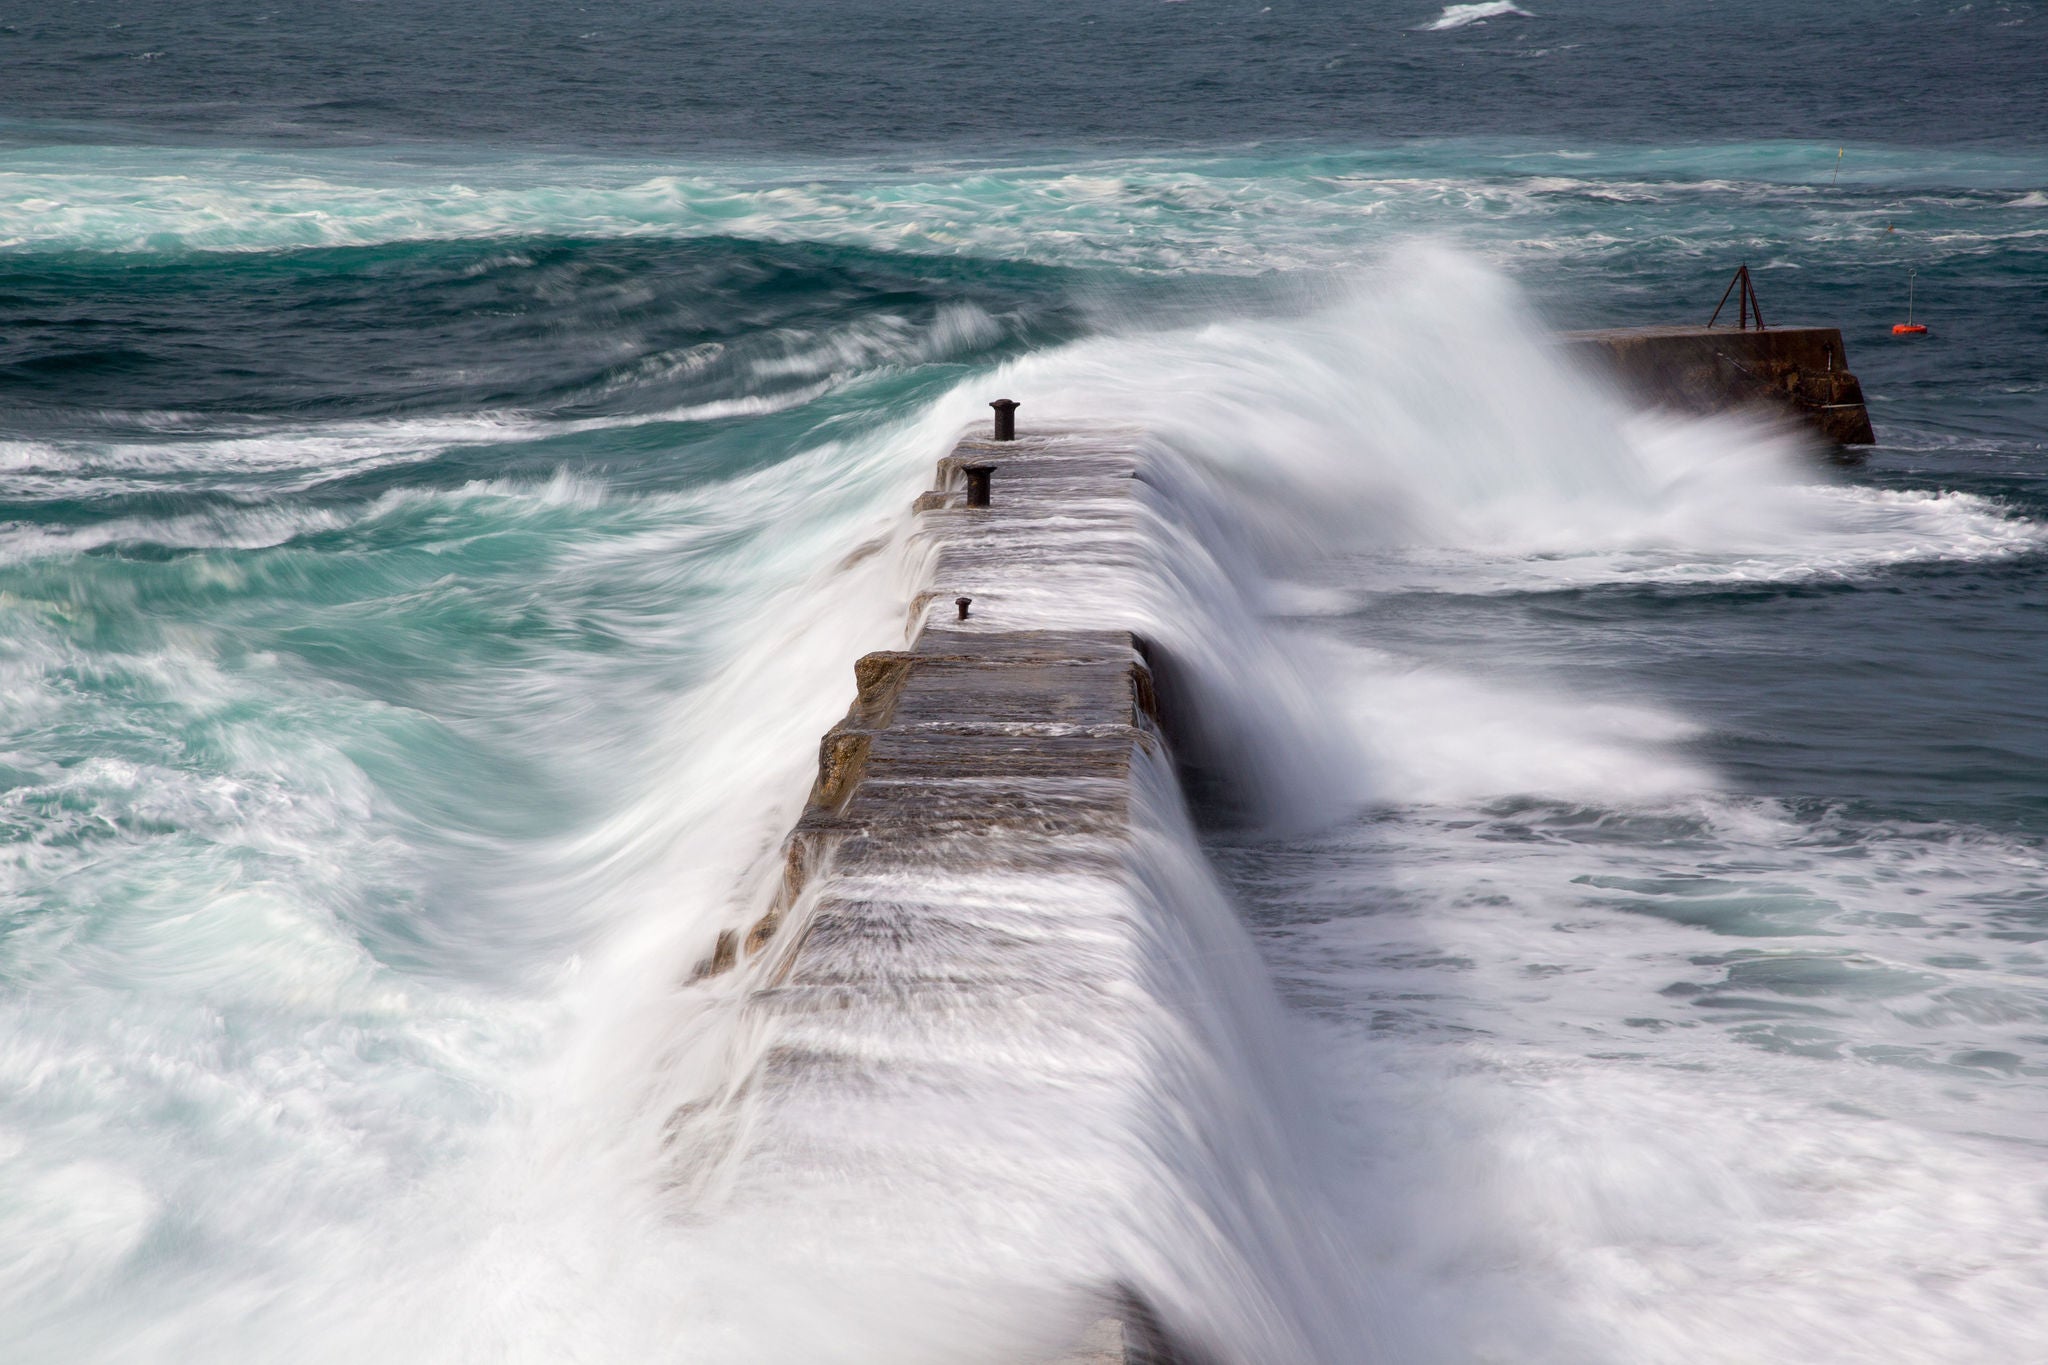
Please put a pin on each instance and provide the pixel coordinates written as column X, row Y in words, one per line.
column 1605, row 926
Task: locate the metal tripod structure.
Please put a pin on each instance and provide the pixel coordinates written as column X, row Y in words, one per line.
column 1745, row 303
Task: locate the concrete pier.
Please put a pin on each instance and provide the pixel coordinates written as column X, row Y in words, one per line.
column 991, row 756
column 983, row 744
column 1799, row 373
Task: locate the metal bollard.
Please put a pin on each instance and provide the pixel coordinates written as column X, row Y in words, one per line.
column 961, row 602
column 1006, row 418
column 977, row 483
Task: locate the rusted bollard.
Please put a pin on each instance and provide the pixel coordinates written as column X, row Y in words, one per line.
column 962, row 602
column 977, row 483
column 1006, row 418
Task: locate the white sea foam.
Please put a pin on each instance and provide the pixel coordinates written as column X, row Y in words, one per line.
column 226, row 889
column 272, row 461
column 1639, row 1069
column 185, row 452
column 480, row 1214
column 1425, row 423
column 1462, row 16
column 882, row 1227
column 1627, row 1090
column 1559, row 1160
column 1219, row 213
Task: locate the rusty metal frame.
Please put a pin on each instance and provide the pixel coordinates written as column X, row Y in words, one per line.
column 1745, row 302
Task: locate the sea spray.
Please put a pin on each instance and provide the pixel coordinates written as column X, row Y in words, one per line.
column 1101, row 1109
column 443, row 1210
column 450, row 459
column 1186, row 582
column 357, row 765
column 1464, row 16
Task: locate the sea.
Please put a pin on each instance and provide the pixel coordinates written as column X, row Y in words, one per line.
column 452, row 454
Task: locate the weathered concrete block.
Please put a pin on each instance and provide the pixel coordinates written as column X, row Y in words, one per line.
column 971, row 817
column 1800, row 373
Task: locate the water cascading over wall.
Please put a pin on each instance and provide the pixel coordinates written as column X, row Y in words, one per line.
column 997, row 1016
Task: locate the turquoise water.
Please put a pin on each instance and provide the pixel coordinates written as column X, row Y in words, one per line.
column 429, row 554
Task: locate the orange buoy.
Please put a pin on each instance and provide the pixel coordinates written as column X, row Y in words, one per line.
column 1909, row 328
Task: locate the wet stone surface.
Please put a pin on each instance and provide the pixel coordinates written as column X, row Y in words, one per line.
column 954, row 907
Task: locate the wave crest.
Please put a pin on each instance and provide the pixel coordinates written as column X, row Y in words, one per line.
column 1462, row 16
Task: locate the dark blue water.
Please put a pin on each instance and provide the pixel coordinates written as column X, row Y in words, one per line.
column 810, row 77
column 427, row 435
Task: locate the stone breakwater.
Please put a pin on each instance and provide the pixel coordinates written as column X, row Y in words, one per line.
column 1800, row 374
column 959, row 884
column 983, row 744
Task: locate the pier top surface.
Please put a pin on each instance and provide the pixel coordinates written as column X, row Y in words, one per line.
column 956, row 893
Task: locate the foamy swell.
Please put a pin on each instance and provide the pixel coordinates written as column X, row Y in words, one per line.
column 1407, row 438
column 974, row 1094
column 582, row 1161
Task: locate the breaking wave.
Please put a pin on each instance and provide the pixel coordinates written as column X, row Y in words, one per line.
column 1463, row 16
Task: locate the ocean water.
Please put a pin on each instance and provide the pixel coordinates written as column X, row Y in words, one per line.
column 450, row 457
